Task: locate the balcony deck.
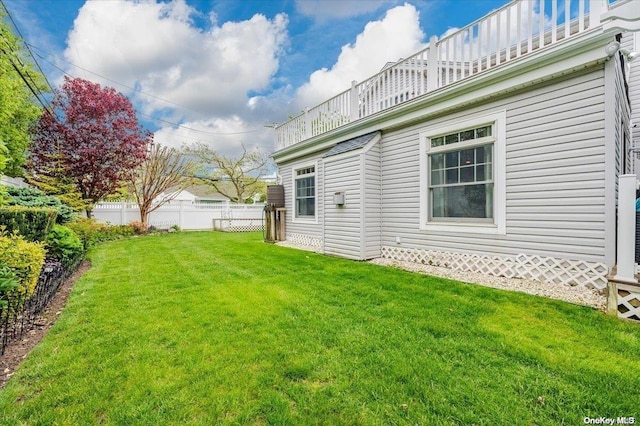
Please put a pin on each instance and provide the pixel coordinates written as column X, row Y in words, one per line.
column 505, row 35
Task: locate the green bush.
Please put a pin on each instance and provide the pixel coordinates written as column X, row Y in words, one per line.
column 4, row 197
column 63, row 244
column 24, row 258
column 8, row 283
column 30, row 197
column 33, row 223
column 92, row 232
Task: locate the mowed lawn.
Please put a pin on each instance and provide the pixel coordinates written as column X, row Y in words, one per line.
column 212, row 328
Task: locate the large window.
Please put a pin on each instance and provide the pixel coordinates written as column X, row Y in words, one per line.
column 463, row 177
column 305, row 192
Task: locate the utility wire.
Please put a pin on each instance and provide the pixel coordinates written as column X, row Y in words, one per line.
column 34, row 89
column 15, row 26
column 104, row 77
column 143, row 93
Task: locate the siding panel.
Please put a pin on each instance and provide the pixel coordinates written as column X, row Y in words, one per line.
column 285, row 171
column 373, row 202
column 554, row 172
column 342, row 236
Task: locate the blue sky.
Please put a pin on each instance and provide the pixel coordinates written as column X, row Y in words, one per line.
column 223, row 70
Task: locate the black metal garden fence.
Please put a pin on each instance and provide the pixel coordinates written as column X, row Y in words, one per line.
column 19, row 315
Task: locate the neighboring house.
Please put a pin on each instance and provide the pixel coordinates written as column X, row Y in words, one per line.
column 496, row 149
column 204, row 194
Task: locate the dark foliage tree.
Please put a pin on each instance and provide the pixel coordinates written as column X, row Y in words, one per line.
column 93, row 140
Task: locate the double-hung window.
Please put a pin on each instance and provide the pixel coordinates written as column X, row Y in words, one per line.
column 463, row 177
column 305, row 192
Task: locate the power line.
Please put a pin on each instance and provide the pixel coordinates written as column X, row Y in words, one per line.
column 34, row 89
column 143, row 93
column 15, row 26
column 105, row 77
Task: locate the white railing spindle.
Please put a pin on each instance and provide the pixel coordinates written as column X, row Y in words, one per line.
column 498, row 38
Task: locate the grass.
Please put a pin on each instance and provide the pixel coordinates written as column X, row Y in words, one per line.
column 211, row 328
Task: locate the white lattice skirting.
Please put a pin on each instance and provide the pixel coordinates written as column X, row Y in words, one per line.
column 592, row 275
column 629, row 301
column 305, row 240
column 237, row 225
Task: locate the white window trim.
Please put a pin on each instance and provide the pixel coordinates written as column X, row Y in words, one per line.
column 294, row 169
column 499, row 225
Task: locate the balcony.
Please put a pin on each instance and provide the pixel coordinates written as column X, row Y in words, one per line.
column 505, row 35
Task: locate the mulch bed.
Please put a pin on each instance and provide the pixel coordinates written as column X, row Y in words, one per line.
column 18, row 349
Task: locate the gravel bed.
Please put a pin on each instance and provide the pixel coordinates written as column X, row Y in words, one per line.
column 577, row 295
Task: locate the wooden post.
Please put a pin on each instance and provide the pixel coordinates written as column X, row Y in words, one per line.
column 281, row 225
column 267, row 223
column 272, row 225
column 612, row 298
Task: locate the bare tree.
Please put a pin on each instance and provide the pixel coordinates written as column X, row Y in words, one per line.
column 236, row 178
column 165, row 169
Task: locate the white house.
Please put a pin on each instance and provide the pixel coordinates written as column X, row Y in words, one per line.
column 496, row 149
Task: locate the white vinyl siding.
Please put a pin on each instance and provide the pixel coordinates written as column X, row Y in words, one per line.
column 342, row 223
column 353, row 229
column 372, row 222
column 633, row 44
column 554, row 196
column 293, row 225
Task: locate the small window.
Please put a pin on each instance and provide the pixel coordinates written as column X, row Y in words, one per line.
column 305, row 192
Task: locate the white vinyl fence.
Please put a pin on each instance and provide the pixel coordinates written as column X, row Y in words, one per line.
column 187, row 215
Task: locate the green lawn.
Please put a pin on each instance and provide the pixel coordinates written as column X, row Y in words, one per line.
column 212, row 328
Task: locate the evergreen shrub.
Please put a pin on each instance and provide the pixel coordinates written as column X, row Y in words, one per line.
column 33, row 223
column 30, row 197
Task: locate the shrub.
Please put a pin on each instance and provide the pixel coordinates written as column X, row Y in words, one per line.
column 92, row 232
column 4, row 197
column 30, row 197
column 64, row 245
column 8, row 283
column 33, row 223
column 139, row 227
column 24, row 258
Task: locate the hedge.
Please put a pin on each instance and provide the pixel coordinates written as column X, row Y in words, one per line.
column 33, row 223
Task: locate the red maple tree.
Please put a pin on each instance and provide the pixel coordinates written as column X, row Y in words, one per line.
column 92, row 139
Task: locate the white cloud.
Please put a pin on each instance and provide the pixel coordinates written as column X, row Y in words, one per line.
column 224, row 135
column 322, row 10
column 157, row 48
column 396, row 35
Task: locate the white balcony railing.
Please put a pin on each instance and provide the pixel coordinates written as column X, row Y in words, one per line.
column 517, row 29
